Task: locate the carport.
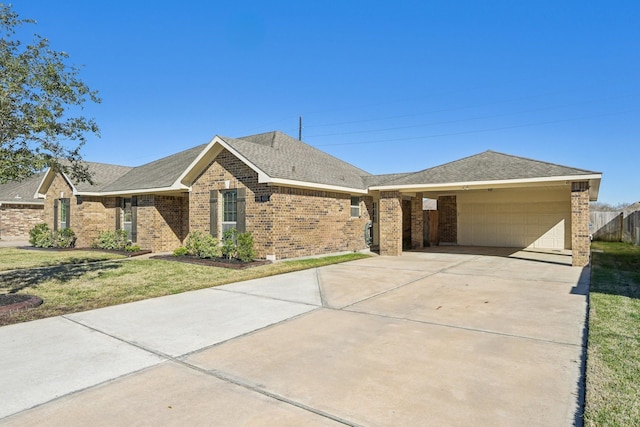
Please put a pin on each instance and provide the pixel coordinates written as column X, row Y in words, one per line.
column 492, row 199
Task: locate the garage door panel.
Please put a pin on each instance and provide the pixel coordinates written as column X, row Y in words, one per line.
column 533, row 224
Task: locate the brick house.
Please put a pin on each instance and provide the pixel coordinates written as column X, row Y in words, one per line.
column 297, row 200
column 20, row 208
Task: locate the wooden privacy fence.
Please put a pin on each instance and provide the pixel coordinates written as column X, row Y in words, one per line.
column 615, row 226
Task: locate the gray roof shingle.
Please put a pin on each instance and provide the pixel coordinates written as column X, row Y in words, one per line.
column 102, row 174
column 21, row 191
column 157, row 174
column 486, row 166
column 284, row 157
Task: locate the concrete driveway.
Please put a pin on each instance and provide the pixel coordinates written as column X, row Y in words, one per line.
column 475, row 337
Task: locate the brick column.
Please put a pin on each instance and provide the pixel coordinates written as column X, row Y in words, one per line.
column 390, row 223
column 417, row 222
column 580, row 241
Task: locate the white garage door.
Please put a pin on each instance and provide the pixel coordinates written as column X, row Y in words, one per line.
column 535, row 222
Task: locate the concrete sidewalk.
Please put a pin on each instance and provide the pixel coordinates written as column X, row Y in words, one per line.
column 422, row 339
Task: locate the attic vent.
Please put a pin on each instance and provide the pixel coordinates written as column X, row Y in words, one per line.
column 293, row 169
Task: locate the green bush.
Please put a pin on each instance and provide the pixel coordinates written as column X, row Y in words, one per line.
column 238, row 245
column 234, row 245
column 41, row 236
column 65, row 238
column 245, row 252
column 112, row 240
column 181, row 251
column 37, row 232
column 133, row 248
column 229, row 247
column 202, row 245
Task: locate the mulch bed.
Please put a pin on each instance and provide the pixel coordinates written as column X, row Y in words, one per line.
column 110, row 251
column 213, row 262
column 13, row 302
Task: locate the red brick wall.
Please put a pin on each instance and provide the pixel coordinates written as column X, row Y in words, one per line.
column 227, row 167
column 285, row 222
column 17, row 220
column 390, row 223
column 447, row 219
column 580, row 240
column 310, row 222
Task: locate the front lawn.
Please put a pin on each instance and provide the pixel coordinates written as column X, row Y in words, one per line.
column 613, row 353
column 78, row 287
column 13, row 258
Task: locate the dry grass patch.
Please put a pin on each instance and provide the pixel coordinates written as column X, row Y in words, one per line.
column 72, row 288
column 613, row 353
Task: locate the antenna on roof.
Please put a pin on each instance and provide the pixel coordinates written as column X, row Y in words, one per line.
column 300, row 129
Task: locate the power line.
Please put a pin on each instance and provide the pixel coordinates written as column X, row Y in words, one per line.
column 478, row 130
column 469, row 119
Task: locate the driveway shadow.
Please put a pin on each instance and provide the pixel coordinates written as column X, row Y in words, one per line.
column 17, row 280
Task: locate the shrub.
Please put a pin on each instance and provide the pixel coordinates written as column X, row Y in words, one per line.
column 202, row 245
column 229, row 247
column 112, row 240
column 245, row 252
column 41, row 236
column 133, row 248
column 36, row 233
column 65, row 238
column 181, row 251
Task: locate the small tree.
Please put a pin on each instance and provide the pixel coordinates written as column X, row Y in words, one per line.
column 39, row 92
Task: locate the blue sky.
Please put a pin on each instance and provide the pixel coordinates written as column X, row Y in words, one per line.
column 388, row 86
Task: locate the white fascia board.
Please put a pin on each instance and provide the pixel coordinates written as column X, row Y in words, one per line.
column 10, row 202
column 193, row 164
column 50, row 171
column 173, row 188
column 38, row 194
column 262, row 176
column 305, row 184
column 449, row 185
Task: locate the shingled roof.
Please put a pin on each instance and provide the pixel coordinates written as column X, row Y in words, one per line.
column 21, row 192
column 487, row 166
column 281, row 156
column 102, row 175
column 160, row 173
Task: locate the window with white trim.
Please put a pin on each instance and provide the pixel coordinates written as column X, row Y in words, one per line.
column 65, row 210
column 355, row 207
column 127, row 216
column 229, row 210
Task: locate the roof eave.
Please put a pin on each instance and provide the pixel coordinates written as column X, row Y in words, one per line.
column 465, row 185
column 171, row 189
column 313, row 185
column 207, row 155
column 22, row 202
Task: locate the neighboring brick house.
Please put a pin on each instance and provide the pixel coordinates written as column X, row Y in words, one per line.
column 20, row 208
column 297, row 200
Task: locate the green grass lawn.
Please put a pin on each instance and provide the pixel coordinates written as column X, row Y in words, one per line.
column 613, row 353
column 72, row 288
column 13, row 258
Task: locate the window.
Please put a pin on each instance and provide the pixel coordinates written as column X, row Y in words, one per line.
column 355, row 207
column 127, row 217
column 229, row 210
column 65, row 212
